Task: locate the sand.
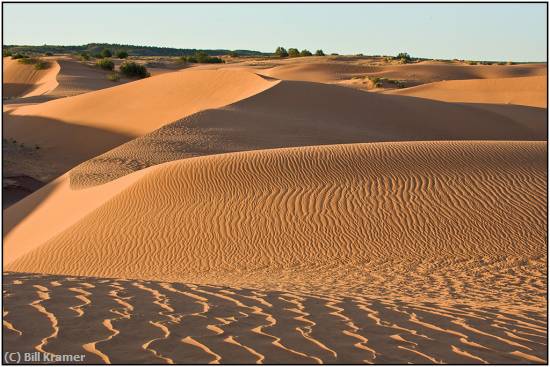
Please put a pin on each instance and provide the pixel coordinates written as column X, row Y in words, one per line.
column 74, row 129
column 526, row 91
column 272, row 214
column 21, row 80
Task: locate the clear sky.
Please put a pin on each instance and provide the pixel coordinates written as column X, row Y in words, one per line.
column 508, row 32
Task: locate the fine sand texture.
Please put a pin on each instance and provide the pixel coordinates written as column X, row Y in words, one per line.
column 294, row 217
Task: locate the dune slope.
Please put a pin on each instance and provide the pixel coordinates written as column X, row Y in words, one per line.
column 20, row 80
column 336, row 218
column 295, row 113
column 73, row 129
column 527, row 91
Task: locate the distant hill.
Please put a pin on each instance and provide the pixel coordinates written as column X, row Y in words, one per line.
column 93, row 48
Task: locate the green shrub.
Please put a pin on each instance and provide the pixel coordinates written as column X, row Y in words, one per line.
column 293, row 52
column 84, row 56
column 234, row 54
column 132, row 69
column 106, row 53
column 305, row 53
column 403, row 57
column 6, row 53
column 319, row 53
column 334, row 54
column 202, row 58
column 281, row 52
column 41, row 64
column 122, row 54
column 18, row 56
column 106, row 64
column 98, row 56
column 48, row 54
column 360, row 55
column 114, row 77
column 471, row 62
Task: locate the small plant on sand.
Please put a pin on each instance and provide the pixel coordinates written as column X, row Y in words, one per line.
column 334, row 54
column 293, row 52
column 234, row 54
column 106, row 53
column 319, row 53
column 36, row 147
column 41, row 64
column 305, row 53
column 114, row 77
column 6, row 53
column 122, row 54
column 84, row 56
column 132, row 69
column 48, row 54
column 281, row 52
column 106, row 64
column 38, row 63
column 18, row 56
column 471, row 62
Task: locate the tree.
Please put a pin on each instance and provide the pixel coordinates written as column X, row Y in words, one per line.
column 281, row 52
column 106, row 53
column 319, row 53
column 306, row 53
column 122, row 54
column 403, row 57
column 293, row 52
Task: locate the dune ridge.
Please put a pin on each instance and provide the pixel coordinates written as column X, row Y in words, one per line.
column 447, row 209
column 313, row 114
column 73, row 129
column 526, row 91
column 21, row 80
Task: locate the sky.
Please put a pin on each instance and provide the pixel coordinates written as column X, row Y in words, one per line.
column 504, row 32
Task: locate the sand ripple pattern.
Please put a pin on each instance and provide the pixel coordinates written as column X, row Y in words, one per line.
column 344, row 329
column 437, row 219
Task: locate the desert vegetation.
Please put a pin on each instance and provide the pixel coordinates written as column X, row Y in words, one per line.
column 122, row 54
column 38, row 63
column 201, row 58
column 132, row 69
column 106, row 64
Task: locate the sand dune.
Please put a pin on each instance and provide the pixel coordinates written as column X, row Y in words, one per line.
column 313, row 114
column 336, row 218
column 136, row 321
column 527, row 91
column 73, row 129
column 20, row 80
column 332, row 70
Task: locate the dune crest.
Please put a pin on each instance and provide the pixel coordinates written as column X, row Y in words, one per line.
column 21, row 80
column 526, row 91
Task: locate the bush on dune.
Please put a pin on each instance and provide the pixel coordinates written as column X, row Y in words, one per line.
column 293, row 52
column 84, row 56
column 305, row 53
column 122, row 54
column 132, row 69
column 106, row 53
column 403, row 57
column 106, row 64
column 281, row 52
column 201, row 58
column 39, row 64
column 319, row 53
column 18, row 56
